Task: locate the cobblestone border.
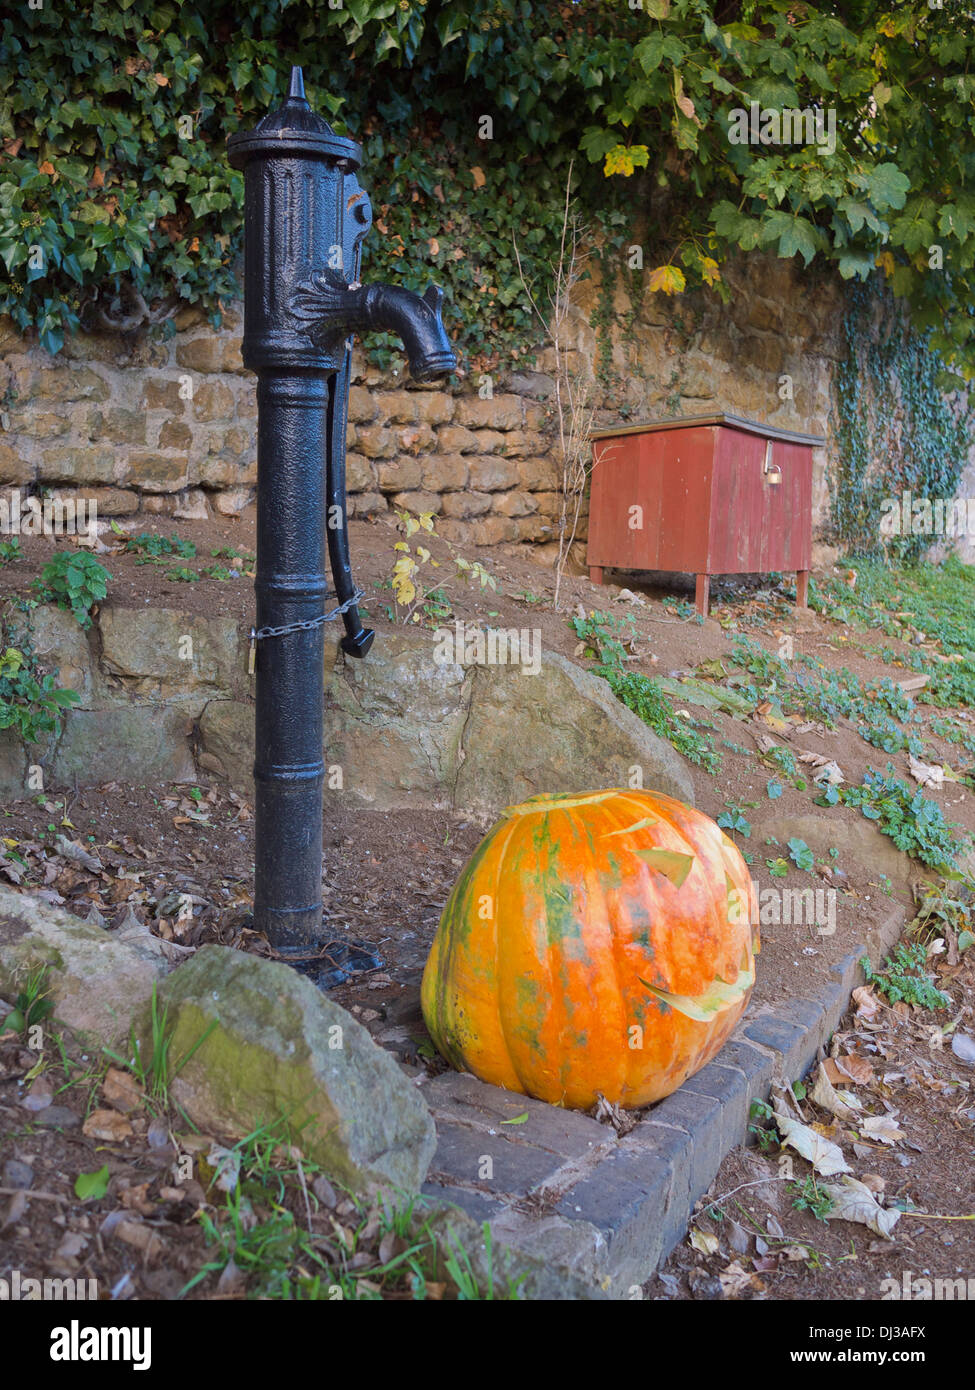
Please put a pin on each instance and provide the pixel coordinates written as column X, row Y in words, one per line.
column 561, row 1189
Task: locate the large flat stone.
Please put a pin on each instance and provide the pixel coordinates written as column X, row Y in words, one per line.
column 161, row 652
column 408, row 730
column 561, row 730
column 394, row 722
column 131, row 743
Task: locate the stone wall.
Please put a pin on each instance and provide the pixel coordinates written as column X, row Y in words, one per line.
column 166, row 427
column 403, row 729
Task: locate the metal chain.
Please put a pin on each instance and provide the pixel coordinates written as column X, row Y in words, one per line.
column 257, row 633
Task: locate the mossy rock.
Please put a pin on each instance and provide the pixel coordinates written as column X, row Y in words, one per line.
column 95, row 981
column 277, row 1048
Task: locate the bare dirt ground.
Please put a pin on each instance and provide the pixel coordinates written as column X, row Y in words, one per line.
column 387, row 876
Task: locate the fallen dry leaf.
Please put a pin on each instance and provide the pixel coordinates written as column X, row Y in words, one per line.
column 823, row 1094
column 853, row 1201
column 825, row 1156
column 72, row 1244
column 868, row 1005
column 15, row 1209
column 120, row 1090
column 108, row 1125
column 882, row 1128
column 859, row 1070
column 735, row 1280
column 704, row 1241
column 136, row 1199
column 140, row 1237
column 926, row 774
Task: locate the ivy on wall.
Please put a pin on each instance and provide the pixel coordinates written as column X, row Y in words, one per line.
column 117, row 204
column 116, row 201
column 890, row 412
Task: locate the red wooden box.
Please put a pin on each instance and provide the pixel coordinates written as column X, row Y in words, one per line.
column 707, row 494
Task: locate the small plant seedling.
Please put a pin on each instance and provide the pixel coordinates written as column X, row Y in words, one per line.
column 808, row 1196
column 801, row 855
column 31, row 1006
column 153, row 549
column 75, row 580
column 734, row 819
column 904, row 977
column 762, row 1125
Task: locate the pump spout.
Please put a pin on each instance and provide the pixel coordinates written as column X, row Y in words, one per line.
column 330, row 309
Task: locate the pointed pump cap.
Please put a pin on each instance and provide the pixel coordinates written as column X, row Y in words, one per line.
column 294, row 129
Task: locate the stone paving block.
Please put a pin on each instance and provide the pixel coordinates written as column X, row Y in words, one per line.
column 846, row 970
column 729, row 1087
column 835, row 995
column 674, row 1147
column 477, row 1204
column 756, row 1066
column 574, row 1247
column 810, row 1016
column 627, row 1198
column 459, row 1097
column 515, row 1167
column 699, row 1117
column 782, row 1036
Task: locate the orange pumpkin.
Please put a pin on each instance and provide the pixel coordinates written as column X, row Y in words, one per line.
column 594, row 943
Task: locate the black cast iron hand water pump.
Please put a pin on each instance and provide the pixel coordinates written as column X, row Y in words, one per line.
column 305, row 217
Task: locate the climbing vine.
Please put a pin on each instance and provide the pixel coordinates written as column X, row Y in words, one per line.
column 117, row 204
column 889, row 409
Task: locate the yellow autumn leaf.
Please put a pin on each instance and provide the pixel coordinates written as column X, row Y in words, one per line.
column 667, row 279
column 405, row 591
column 434, row 245
column 477, row 174
column 886, row 262
column 709, row 270
column 161, row 80
column 623, row 159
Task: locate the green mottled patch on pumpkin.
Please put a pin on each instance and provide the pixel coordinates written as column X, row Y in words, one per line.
column 561, row 922
column 613, row 873
column 526, row 993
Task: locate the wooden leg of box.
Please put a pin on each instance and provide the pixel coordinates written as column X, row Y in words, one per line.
column 702, row 592
column 802, row 588
column 596, row 574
